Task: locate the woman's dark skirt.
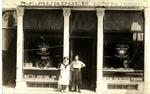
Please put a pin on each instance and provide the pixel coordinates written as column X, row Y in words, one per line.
column 76, row 77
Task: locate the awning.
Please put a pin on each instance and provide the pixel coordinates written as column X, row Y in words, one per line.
column 43, row 20
column 122, row 20
column 81, row 21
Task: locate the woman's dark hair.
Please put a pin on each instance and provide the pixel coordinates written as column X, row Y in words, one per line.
column 65, row 58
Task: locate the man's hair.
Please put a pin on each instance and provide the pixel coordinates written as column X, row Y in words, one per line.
column 77, row 55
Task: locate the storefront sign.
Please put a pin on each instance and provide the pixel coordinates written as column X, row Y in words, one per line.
column 128, row 79
column 77, row 3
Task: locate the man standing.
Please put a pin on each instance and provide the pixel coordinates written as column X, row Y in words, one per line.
column 76, row 66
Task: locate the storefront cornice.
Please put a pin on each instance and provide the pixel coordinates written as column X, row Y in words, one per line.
column 44, row 4
column 83, row 3
column 84, row 9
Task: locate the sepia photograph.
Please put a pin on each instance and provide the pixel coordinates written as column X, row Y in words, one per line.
column 75, row 47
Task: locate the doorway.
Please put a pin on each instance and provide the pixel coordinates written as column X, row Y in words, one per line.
column 86, row 49
column 83, row 36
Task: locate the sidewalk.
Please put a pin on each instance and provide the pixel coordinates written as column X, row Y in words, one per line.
column 11, row 90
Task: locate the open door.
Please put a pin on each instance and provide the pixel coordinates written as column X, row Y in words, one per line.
column 86, row 49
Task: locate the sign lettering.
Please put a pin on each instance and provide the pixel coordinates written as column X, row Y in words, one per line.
column 80, row 3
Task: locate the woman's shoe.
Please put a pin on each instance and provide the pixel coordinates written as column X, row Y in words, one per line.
column 62, row 91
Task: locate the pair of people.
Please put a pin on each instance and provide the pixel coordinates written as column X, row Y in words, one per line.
column 75, row 67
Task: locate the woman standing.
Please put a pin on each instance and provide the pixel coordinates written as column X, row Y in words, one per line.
column 76, row 66
column 64, row 77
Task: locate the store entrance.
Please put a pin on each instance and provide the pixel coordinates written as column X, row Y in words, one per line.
column 83, row 36
column 86, row 49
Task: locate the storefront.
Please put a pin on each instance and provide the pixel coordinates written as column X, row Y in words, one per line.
column 110, row 37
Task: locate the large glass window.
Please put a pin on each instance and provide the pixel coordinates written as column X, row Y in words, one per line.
column 123, row 45
column 43, row 47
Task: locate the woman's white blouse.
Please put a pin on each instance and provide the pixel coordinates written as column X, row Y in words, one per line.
column 77, row 64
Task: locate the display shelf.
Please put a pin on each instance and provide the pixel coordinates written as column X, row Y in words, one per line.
column 123, row 75
column 122, row 70
column 41, row 80
column 36, row 68
column 108, row 56
column 44, row 77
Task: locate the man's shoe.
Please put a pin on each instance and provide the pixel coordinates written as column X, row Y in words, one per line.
column 79, row 91
column 72, row 90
